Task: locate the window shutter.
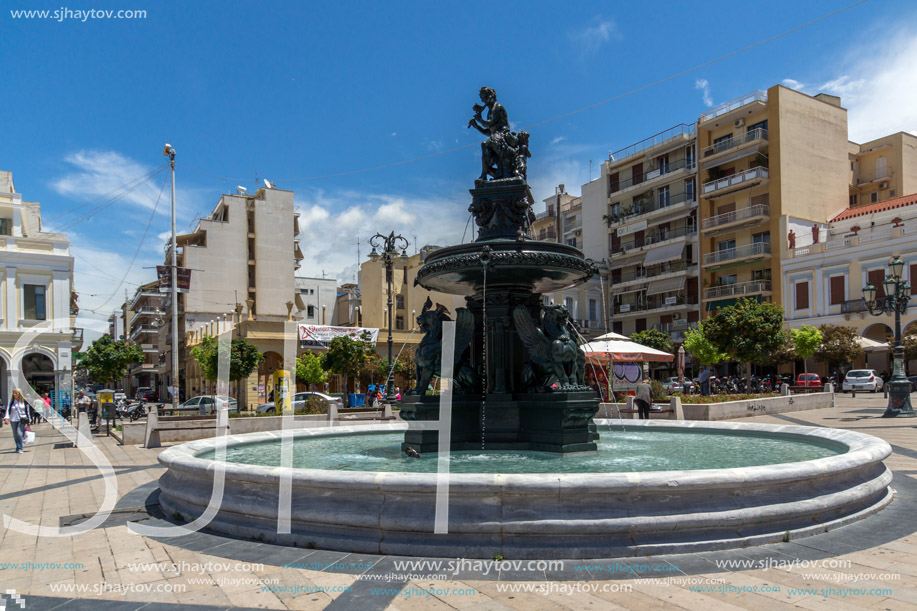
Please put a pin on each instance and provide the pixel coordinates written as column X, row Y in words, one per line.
column 837, row 290
column 802, row 295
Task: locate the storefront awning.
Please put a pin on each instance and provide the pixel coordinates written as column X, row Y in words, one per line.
column 662, row 254
column 664, row 286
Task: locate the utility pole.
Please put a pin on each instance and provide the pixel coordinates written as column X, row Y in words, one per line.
column 169, row 152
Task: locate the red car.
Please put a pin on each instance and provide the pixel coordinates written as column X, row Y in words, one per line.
column 808, row 379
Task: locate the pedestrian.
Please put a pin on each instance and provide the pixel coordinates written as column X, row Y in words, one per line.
column 47, row 407
column 644, row 398
column 17, row 416
column 704, row 379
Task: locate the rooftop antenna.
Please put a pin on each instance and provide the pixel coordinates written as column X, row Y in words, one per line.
column 590, row 170
column 415, row 244
column 241, row 190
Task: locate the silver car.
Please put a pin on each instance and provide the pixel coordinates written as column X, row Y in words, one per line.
column 862, row 379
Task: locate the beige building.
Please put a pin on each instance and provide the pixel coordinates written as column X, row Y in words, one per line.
column 36, row 289
column 882, row 169
column 243, row 257
column 641, row 213
column 145, row 320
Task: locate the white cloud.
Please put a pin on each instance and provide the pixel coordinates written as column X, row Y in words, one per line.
column 558, row 139
column 589, row 39
column 331, row 224
column 704, row 87
column 878, row 87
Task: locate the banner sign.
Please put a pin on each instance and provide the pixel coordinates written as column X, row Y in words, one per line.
column 320, row 336
column 164, row 272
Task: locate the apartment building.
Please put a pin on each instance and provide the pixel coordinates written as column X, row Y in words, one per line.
column 319, row 296
column 641, row 213
column 562, row 221
column 145, row 320
column 882, row 169
column 36, row 290
column 824, row 281
column 243, row 257
column 764, row 156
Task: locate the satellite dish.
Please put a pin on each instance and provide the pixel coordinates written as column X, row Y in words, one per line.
column 268, row 184
column 241, row 190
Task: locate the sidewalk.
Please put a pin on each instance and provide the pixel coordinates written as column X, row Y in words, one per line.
column 870, row 564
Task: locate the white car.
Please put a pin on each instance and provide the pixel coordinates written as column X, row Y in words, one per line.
column 119, row 396
column 862, row 379
column 208, row 404
column 672, row 385
column 299, row 402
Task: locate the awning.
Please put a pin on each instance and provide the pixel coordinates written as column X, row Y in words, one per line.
column 728, row 158
column 722, row 303
column 664, row 253
column 633, row 289
column 664, row 286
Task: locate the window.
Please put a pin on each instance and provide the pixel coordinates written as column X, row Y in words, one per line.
column 873, row 197
column 689, row 157
column 725, row 245
column 664, row 199
column 761, row 238
column 876, row 277
column 762, row 126
column 853, row 200
column 913, row 280
column 399, row 323
column 6, row 226
column 310, row 311
column 399, row 302
column 722, row 143
column 663, row 164
column 571, row 242
column 34, row 302
column 594, row 309
column 837, row 290
column 570, row 305
column 802, row 295
column 689, row 190
column 881, row 168
column 727, row 280
column 614, row 181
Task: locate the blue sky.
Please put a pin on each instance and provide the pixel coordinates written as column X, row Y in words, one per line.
column 290, row 90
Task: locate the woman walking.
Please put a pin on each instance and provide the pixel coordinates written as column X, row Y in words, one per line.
column 17, row 416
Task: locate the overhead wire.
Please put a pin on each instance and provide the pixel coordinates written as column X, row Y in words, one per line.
column 143, row 178
column 561, row 116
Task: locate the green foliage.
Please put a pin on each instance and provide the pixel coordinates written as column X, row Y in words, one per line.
column 345, row 356
column 309, row 369
column 909, row 340
column 701, row 400
column 702, row 349
column 838, row 345
column 659, row 393
column 106, row 360
column 806, row 341
column 243, row 358
column 653, row 338
column 748, row 331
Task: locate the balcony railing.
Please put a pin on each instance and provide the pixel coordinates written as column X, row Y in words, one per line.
column 740, row 252
column 759, row 133
column 547, row 235
column 734, row 290
column 645, row 206
column 651, row 173
column 655, row 238
column 572, row 225
column 141, row 330
column 673, row 132
column 656, row 270
column 677, row 326
column 655, row 303
column 737, row 215
column 853, row 305
column 545, row 214
column 755, row 96
column 738, row 179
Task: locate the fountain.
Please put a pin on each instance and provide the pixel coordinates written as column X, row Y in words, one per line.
column 529, row 476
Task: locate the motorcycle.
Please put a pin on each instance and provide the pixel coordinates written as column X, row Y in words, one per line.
column 136, row 411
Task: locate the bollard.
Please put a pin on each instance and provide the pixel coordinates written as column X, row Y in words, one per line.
column 677, row 412
column 387, row 411
column 332, row 412
column 83, row 432
column 785, row 390
column 630, row 405
column 151, row 436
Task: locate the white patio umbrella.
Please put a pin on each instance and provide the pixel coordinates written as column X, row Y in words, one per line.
column 871, row 345
column 623, row 350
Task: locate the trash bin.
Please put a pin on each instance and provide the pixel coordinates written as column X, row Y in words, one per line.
column 355, row 399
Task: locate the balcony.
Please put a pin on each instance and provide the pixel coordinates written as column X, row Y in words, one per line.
column 655, row 303
column 758, row 97
column 755, row 287
column 150, row 348
column 573, row 225
column 754, row 139
column 750, row 216
column 655, row 238
column 650, row 205
column 759, row 250
column 141, row 330
column 852, row 306
column 737, row 182
column 546, row 214
column 547, row 235
column 673, row 135
column 76, row 341
column 672, row 267
column 651, row 173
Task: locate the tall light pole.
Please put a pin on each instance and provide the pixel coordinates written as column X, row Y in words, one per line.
column 897, row 295
column 389, row 245
column 169, row 152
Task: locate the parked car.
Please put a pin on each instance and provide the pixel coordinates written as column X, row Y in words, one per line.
column 862, row 379
column 808, row 379
column 120, row 396
column 671, row 385
column 209, row 403
column 145, row 393
column 299, row 402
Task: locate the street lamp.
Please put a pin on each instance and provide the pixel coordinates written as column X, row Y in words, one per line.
column 168, row 151
column 389, row 245
column 897, row 295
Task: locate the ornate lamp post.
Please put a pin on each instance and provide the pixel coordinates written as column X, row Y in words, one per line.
column 389, row 245
column 897, row 295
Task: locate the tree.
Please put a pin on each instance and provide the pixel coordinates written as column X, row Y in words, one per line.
column 806, row 341
column 653, row 338
column 345, row 356
column 106, row 360
column 748, row 331
column 375, row 369
column 243, row 358
column 909, row 340
column 838, row 345
column 309, row 369
column 701, row 348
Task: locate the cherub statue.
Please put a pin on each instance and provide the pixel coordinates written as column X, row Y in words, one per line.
column 556, row 358
column 428, row 356
column 496, row 128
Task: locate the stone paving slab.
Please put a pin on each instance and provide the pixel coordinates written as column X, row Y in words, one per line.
column 869, row 564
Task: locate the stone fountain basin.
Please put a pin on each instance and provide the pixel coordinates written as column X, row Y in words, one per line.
column 542, row 267
column 537, row 515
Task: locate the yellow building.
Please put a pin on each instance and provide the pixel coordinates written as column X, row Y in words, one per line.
column 882, row 169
